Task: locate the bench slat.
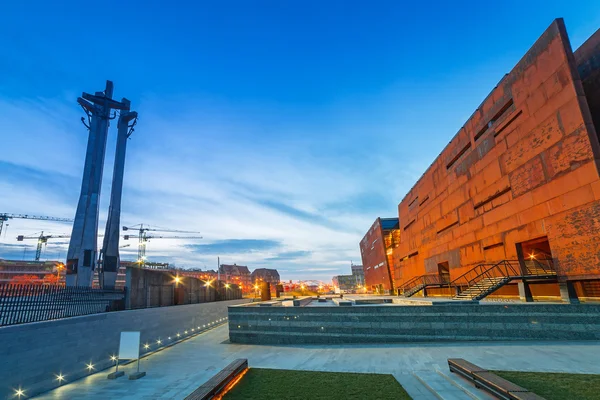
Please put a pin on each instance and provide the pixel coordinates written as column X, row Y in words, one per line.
column 465, row 365
column 498, row 382
column 525, row 396
column 215, row 384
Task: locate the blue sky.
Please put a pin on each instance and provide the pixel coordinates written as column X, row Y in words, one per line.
column 278, row 129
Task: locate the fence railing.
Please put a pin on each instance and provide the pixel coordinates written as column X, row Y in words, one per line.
column 422, row 281
column 32, row 303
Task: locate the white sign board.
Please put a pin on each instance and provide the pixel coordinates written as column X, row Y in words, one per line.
column 129, row 348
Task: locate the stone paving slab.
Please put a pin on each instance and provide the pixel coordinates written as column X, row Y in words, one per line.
column 177, row 371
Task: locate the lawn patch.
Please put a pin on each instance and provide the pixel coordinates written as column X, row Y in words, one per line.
column 277, row 384
column 556, row 386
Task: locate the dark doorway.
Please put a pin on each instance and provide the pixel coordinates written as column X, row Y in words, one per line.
column 444, row 272
column 535, row 256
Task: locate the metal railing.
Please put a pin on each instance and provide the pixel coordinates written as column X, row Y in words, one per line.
column 32, row 303
column 419, row 282
column 504, row 268
column 509, row 269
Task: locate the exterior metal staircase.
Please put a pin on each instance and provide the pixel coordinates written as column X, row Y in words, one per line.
column 482, row 288
column 484, row 279
column 418, row 283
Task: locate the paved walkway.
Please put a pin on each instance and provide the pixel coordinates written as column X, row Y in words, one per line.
column 420, row 368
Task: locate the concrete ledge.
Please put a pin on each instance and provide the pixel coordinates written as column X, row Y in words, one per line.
column 218, row 384
column 34, row 353
column 396, row 324
column 342, row 302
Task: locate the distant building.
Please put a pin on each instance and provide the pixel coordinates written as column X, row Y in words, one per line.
column 376, row 249
column 238, row 274
column 358, row 272
column 33, row 272
column 266, row 275
column 208, row 275
column 350, row 282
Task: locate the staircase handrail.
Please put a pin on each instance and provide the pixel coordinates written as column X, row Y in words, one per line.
column 486, row 270
column 547, row 267
column 426, row 279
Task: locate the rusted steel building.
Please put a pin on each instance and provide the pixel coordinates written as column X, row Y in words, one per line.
column 376, row 252
column 516, row 192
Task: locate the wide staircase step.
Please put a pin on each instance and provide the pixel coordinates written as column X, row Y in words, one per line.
column 444, row 388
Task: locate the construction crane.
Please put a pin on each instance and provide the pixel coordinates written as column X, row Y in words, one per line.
column 42, row 241
column 143, row 238
column 5, row 217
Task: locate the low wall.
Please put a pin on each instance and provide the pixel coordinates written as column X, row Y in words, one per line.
column 151, row 288
column 393, row 324
column 31, row 354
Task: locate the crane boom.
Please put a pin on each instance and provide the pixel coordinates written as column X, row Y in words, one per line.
column 42, row 241
column 143, row 237
column 5, row 217
column 173, row 237
column 141, row 228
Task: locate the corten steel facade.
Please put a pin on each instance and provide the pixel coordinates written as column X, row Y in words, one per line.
column 520, row 177
column 376, row 252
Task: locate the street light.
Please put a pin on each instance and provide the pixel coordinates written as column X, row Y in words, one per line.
column 59, row 268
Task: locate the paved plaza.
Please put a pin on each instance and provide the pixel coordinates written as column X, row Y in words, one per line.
column 420, row 368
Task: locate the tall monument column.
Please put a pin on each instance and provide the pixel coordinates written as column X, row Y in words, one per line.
column 110, row 247
column 82, row 253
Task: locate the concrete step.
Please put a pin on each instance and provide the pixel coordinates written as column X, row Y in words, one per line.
column 414, row 387
column 440, row 387
column 465, row 386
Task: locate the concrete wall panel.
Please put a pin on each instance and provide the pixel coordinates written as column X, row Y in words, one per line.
column 31, row 354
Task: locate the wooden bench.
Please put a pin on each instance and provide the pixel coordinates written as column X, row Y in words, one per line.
column 219, row 382
column 489, row 381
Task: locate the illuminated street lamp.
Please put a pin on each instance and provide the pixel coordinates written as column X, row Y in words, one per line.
column 59, row 268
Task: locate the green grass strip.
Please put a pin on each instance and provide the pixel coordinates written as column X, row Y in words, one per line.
column 277, row 384
column 556, row 386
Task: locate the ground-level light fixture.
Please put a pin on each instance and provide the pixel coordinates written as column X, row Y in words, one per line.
column 90, row 366
column 60, row 378
column 146, row 346
column 19, row 392
column 113, row 358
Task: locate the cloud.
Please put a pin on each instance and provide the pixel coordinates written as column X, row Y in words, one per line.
column 288, row 203
column 290, row 255
column 234, row 246
column 317, row 269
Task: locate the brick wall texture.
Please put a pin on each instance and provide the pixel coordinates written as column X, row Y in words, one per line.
column 524, row 166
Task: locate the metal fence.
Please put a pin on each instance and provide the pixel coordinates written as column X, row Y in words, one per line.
column 31, row 303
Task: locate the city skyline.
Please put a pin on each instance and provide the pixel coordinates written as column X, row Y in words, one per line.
column 280, row 147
